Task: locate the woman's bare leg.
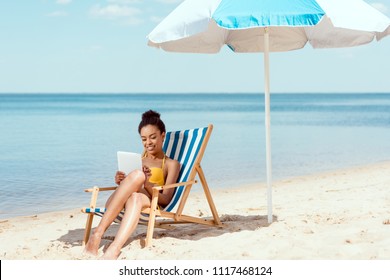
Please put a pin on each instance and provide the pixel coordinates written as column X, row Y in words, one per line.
column 131, row 184
column 133, row 207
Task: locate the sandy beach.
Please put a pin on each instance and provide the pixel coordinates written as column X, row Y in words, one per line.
column 344, row 214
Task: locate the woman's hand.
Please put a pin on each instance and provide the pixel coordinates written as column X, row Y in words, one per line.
column 147, row 172
column 119, row 176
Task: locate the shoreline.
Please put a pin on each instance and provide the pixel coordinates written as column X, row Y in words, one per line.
column 217, row 187
column 341, row 214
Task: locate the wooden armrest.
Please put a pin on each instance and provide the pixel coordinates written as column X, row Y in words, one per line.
column 102, row 189
column 170, row 186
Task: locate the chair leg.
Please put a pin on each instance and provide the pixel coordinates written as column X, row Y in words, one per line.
column 152, row 219
column 92, row 205
column 88, row 227
column 210, row 200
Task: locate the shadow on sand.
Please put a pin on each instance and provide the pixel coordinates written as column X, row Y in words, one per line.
column 231, row 224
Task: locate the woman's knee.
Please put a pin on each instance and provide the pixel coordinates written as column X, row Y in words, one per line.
column 135, row 177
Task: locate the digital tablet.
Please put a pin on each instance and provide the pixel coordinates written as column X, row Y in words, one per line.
column 128, row 161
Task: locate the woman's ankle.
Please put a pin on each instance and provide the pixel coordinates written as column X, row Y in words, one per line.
column 93, row 243
column 112, row 252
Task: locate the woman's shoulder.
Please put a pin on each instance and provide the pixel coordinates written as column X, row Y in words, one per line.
column 172, row 162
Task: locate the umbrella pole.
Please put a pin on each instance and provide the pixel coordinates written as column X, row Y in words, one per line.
column 268, row 123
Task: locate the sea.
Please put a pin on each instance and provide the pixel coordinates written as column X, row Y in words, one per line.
column 53, row 146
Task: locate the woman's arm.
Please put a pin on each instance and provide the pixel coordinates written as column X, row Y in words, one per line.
column 173, row 169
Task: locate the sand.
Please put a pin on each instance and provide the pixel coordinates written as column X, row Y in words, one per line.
column 339, row 215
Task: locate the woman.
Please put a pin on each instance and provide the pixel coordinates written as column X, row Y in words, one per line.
column 135, row 190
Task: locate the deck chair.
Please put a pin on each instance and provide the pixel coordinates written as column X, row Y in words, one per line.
column 187, row 147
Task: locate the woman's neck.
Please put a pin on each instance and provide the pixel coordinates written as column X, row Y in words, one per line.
column 159, row 155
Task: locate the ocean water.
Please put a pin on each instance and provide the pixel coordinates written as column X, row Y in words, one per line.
column 53, row 146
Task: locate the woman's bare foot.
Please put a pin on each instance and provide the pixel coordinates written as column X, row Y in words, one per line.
column 92, row 246
column 112, row 253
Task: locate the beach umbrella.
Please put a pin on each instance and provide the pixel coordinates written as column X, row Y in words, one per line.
column 204, row 26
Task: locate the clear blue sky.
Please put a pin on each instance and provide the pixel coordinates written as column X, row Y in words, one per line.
column 101, row 46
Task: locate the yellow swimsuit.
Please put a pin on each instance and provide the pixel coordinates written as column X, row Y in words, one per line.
column 157, row 177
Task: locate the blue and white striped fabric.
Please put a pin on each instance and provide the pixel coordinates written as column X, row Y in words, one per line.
column 182, row 146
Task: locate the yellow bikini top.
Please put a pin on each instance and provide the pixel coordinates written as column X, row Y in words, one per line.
column 157, row 176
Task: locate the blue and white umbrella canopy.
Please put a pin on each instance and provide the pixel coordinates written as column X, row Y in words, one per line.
column 204, row 26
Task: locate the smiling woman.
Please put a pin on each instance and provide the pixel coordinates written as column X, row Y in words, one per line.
column 158, row 167
column 134, row 192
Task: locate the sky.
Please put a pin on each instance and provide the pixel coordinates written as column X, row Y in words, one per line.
column 89, row 46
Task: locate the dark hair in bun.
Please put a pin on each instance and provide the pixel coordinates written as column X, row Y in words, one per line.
column 153, row 118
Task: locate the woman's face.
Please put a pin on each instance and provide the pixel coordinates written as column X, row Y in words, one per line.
column 152, row 139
